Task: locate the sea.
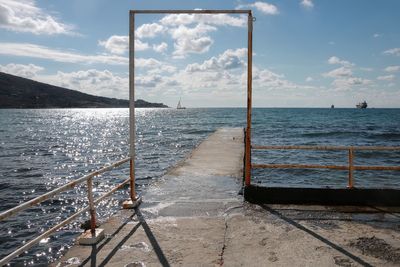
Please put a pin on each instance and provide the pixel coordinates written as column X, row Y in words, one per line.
column 41, row 149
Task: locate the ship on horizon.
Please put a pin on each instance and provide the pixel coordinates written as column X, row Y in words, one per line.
column 362, row 104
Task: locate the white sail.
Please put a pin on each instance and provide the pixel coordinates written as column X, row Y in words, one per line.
column 179, row 106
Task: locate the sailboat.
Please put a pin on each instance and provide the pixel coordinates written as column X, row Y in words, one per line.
column 179, row 106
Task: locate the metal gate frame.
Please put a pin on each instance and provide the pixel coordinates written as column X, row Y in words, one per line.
column 132, row 129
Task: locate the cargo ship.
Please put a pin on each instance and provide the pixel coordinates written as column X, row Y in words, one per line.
column 362, row 105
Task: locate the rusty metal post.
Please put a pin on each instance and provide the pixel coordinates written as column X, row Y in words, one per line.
column 249, row 98
column 134, row 200
column 92, row 209
column 132, row 129
column 351, row 168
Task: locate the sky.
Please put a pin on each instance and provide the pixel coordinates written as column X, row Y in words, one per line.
column 306, row 53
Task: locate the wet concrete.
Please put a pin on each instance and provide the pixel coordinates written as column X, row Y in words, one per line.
column 194, row 216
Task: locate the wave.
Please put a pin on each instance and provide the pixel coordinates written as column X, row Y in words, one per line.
column 333, row 133
column 385, row 136
column 197, row 131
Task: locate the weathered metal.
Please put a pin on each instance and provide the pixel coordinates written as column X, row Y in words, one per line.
column 312, row 166
column 60, row 189
column 92, row 209
column 47, row 233
column 372, row 148
column 36, row 240
column 249, row 99
column 298, row 166
column 188, row 11
column 132, row 126
column 376, row 168
column 351, row 167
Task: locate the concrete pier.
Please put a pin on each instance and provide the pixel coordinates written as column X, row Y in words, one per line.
column 194, row 216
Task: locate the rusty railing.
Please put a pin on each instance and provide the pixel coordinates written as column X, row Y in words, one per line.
column 350, row 167
column 91, row 208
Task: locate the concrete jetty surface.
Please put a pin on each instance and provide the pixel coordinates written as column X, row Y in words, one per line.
column 194, row 216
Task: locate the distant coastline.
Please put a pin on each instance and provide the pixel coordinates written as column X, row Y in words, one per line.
column 18, row 93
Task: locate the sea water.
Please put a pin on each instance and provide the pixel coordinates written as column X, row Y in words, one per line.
column 43, row 149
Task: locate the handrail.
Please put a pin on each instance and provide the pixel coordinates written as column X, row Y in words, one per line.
column 350, row 167
column 60, row 189
column 335, row 167
column 329, row 147
column 72, row 184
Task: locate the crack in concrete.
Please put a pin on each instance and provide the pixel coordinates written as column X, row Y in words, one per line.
column 221, row 255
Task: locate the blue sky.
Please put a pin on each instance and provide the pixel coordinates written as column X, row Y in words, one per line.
column 307, row 53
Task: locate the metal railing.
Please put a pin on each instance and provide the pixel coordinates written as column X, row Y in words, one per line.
column 351, row 155
column 91, row 208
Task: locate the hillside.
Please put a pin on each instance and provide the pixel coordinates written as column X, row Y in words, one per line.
column 18, row 92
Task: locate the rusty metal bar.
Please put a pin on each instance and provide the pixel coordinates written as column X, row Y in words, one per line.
column 92, row 209
column 132, row 191
column 60, row 189
column 376, row 168
column 189, row 11
column 249, row 99
column 36, row 240
column 312, row 166
column 351, row 168
column 132, row 126
column 298, row 166
column 380, row 148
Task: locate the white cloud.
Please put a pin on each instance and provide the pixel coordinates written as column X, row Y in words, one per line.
column 214, row 19
column 393, row 51
column 307, row 4
column 154, row 64
column 230, row 59
column 103, row 82
column 339, row 72
column 386, row 77
column 376, row 35
column 147, row 62
column 335, row 60
column 191, row 40
column 263, row 7
column 140, row 46
column 265, row 79
column 343, row 76
column 345, row 83
column 43, row 52
column 92, row 81
column 392, row 68
column 309, row 79
column 116, row 44
column 148, row 80
column 25, row 16
column 119, row 44
column 149, row 30
column 160, row 48
column 28, row 71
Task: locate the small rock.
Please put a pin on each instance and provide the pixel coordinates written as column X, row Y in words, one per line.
column 135, row 264
column 273, row 257
column 340, row 261
column 263, row 242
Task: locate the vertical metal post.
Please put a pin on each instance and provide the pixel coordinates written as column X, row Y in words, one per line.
column 132, row 129
column 249, row 98
column 351, row 168
column 91, row 207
